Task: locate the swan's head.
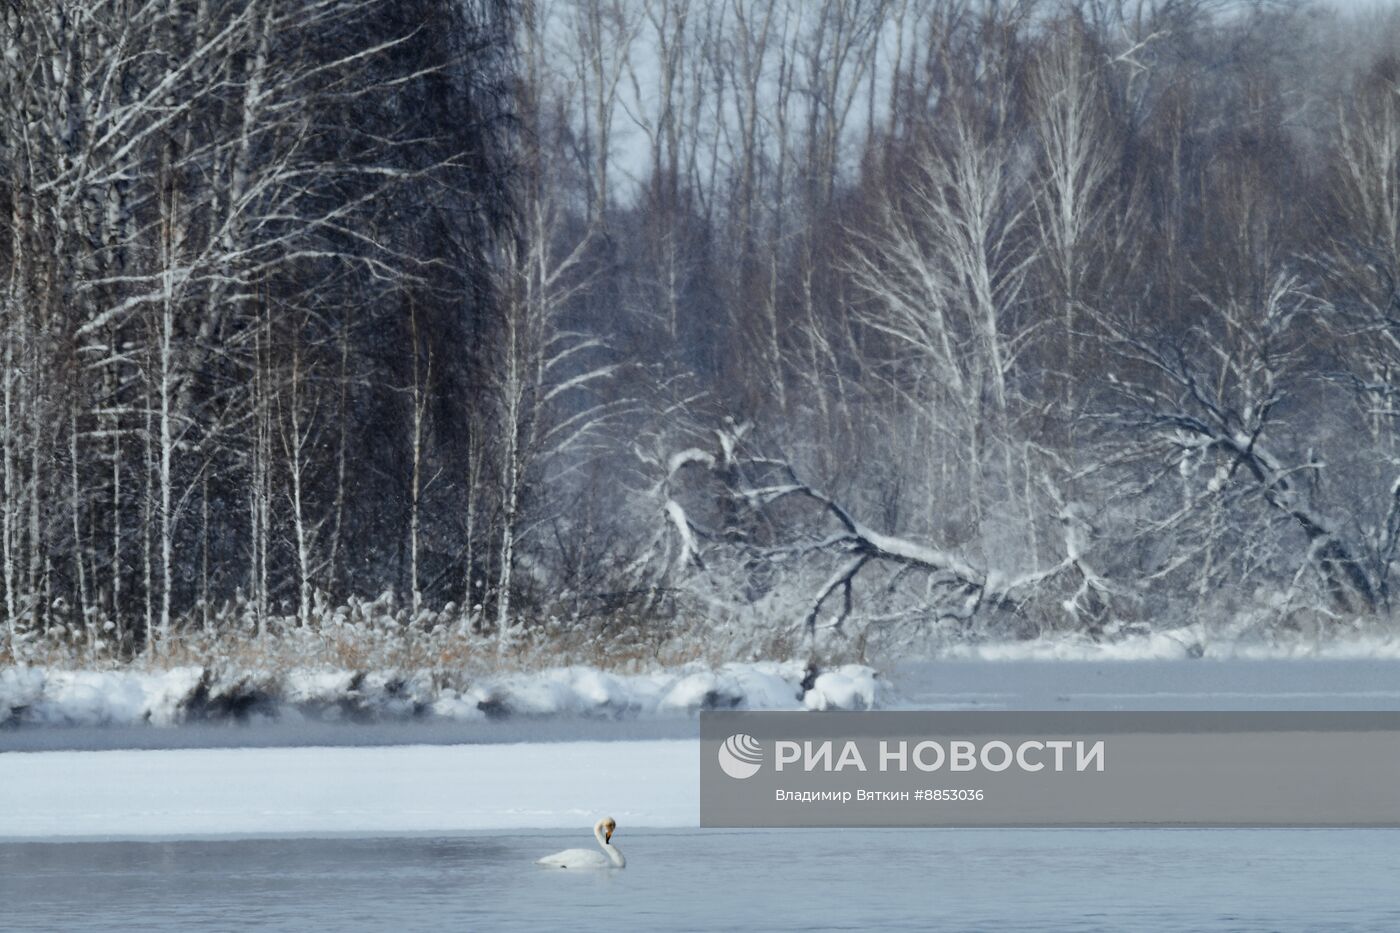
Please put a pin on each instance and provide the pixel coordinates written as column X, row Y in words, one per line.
column 609, row 826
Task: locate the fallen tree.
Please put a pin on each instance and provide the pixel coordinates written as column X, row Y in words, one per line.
column 752, row 491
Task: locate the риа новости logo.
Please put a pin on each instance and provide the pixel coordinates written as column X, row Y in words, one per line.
column 740, row 756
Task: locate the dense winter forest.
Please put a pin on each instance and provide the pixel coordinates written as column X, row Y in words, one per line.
column 766, row 324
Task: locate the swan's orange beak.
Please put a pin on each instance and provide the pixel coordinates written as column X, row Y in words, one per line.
column 607, row 836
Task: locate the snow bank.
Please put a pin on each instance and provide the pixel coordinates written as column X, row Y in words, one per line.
column 1152, row 646
column 34, row 696
column 39, row 697
column 849, row 687
column 1190, row 642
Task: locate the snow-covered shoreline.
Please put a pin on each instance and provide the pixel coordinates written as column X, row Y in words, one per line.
column 1187, row 643
column 31, row 696
column 136, row 696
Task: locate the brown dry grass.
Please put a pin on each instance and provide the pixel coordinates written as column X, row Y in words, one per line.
column 620, row 645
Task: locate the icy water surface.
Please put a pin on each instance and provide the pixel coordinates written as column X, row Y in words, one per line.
column 999, row 880
column 690, row 879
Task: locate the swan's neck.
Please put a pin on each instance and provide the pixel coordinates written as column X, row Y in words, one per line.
column 610, row 850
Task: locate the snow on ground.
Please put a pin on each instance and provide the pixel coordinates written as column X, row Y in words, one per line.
column 31, row 696
column 1190, row 642
column 36, row 696
column 851, row 688
column 377, row 789
column 1076, row 647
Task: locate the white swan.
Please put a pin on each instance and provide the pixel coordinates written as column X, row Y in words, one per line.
column 610, row 857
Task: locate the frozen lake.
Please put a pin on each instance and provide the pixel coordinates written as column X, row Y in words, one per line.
column 692, row 880
column 419, row 828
